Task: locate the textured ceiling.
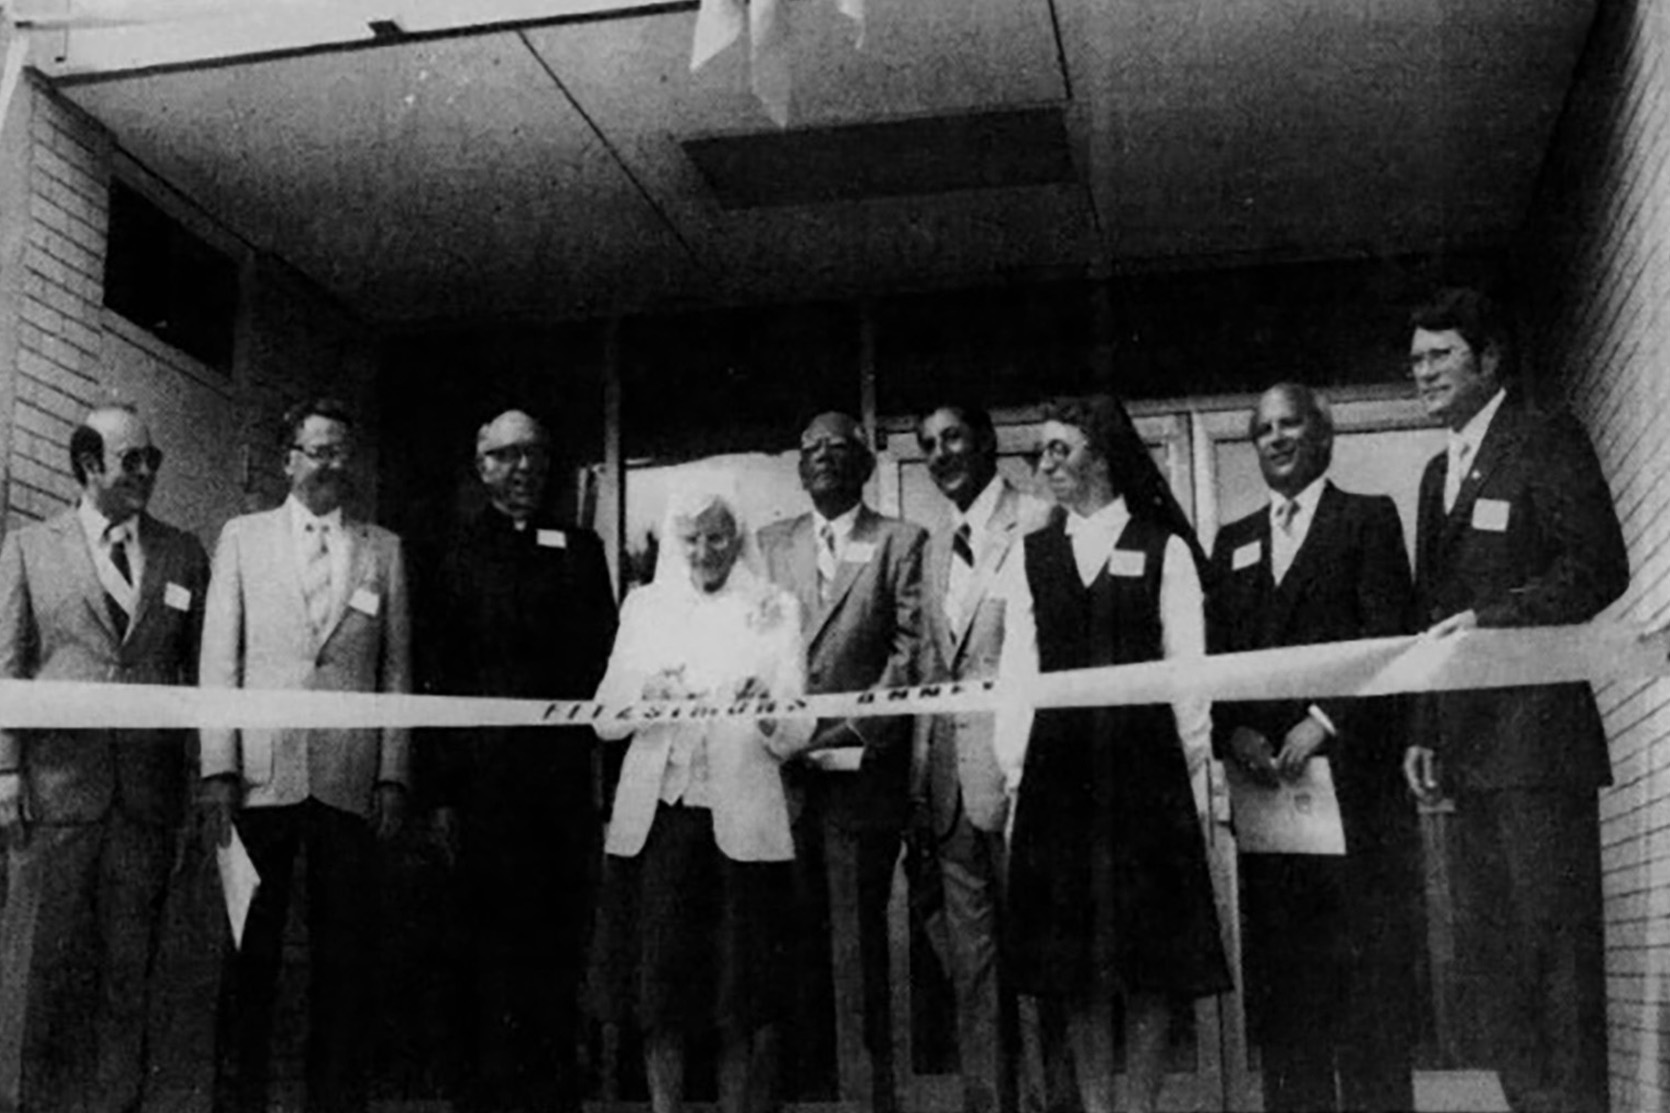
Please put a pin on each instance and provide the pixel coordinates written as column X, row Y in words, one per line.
column 542, row 173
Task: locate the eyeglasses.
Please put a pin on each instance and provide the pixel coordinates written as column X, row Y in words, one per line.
column 512, row 454
column 1057, row 450
column 325, row 453
column 131, row 461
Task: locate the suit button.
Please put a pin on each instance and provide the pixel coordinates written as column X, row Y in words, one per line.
column 816, row 676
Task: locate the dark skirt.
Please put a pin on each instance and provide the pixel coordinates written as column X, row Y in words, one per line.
column 688, row 939
column 1109, row 890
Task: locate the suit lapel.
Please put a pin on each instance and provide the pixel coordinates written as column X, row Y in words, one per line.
column 156, row 571
column 354, row 535
column 1000, row 536
column 1311, row 557
column 78, row 560
column 1498, row 445
column 846, row 571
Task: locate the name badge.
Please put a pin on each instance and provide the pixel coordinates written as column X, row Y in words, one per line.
column 1126, row 563
column 551, row 539
column 859, row 552
column 366, row 602
column 1247, row 556
column 176, row 597
column 1491, row 515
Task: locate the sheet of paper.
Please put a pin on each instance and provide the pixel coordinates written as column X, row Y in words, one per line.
column 238, row 882
column 1293, row 817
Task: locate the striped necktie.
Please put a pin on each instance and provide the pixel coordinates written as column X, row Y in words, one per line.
column 316, row 577
column 826, row 561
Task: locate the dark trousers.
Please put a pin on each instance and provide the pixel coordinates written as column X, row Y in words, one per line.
column 1329, row 981
column 123, row 864
column 529, row 890
column 1528, row 905
column 971, row 868
column 341, row 875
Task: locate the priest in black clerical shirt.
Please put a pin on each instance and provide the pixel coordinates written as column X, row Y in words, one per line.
column 521, row 607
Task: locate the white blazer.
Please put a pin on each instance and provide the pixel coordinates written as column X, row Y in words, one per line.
column 715, row 643
column 256, row 634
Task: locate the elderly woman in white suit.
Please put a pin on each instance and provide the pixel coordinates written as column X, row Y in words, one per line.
column 695, row 926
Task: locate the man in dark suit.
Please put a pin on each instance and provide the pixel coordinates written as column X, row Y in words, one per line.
column 305, row 597
column 858, row 577
column 1329, row 980
column 1517, row 528
column 521, row 608
column 959, row 799
column 103, row 592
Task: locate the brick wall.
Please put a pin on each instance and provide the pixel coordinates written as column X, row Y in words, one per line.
column 1599, row 240
column 58, row 311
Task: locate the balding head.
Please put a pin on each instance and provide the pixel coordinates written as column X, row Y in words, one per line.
column 114, row 461
column 512, row 457
column 835, row 462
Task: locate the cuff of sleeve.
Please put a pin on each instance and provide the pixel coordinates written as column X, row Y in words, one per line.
column 1321, row 716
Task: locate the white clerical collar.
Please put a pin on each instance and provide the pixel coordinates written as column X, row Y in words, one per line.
column 1110, row 520
column 842, row 524
column 1305, row 500
column 301, row 517
column 1472, row 434
column 979, row 513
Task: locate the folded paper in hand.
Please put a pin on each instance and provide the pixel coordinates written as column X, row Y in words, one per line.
column 1290, row 817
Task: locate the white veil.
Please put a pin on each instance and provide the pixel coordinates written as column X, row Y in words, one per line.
column 689, row 494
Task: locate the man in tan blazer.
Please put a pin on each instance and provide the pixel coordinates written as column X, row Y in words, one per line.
column 858, row 577
column 103, row 592
column 957, row 788
column 304, row 597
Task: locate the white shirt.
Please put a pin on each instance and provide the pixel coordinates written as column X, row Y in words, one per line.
column 978, row 519
column 102, row 534
column 336, row 545
column 1285, row 544
column 842, row 525
column 1463, row 447
column 1182, row 634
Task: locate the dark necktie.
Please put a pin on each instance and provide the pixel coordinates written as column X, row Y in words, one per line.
column 119, row 557
column 960, row 546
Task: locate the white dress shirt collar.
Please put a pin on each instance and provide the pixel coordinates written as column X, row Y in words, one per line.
column 1094, row 536
column 301, row 517
column 101, row 534
column 1473, row 433
column 978, row 516
column 842, row 524
column 1305, row 501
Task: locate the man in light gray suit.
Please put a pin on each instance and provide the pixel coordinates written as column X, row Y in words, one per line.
column 304, row 597
column 103, row 592
column 957, row 789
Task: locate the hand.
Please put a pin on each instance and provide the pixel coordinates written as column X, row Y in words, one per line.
column 217, row 803
column 1301, row 743
column 12, row 825
column 754, row 689
column 447, row 835
column 1455, row 624
column 388, row 810
column 1251, row 751
column 666, row 684
column 1420, row 770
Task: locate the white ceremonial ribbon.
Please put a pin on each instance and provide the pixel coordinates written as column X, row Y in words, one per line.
column 1597, row 652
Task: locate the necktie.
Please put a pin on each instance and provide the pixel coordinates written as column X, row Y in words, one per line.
column 1461, row 453
column 961, row 547
column 119, row 557
column 316, row 578
column 1286, row 511
column 1281, row 545
column 826, row 560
